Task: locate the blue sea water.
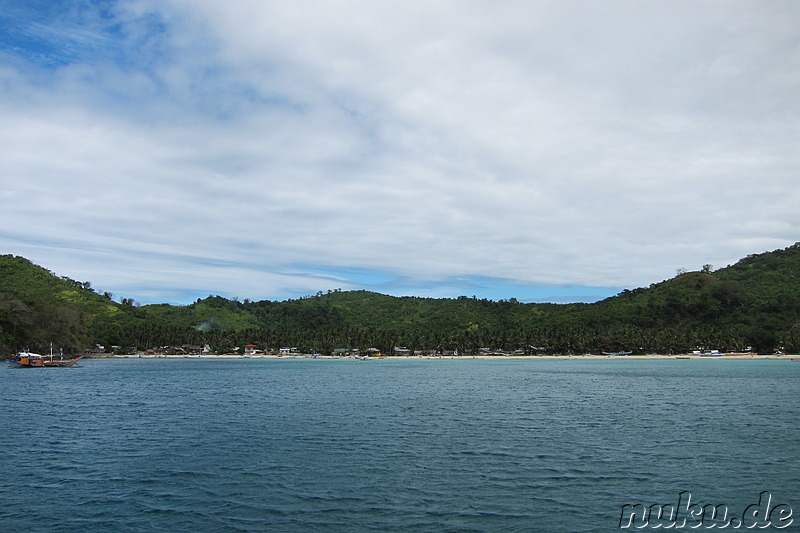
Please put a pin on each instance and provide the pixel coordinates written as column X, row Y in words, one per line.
column 300, row 445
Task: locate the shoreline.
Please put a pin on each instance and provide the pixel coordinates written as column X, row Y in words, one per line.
column 482, row 357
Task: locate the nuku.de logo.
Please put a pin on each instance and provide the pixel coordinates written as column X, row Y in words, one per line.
column 686, row 514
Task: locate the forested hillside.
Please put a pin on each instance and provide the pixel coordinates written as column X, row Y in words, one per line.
column 754, row 303
column 38, row 308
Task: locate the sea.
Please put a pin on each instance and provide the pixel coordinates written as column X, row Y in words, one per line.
column 412, row 445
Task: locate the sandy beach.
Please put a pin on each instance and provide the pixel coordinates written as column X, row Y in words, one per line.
column 486, row 357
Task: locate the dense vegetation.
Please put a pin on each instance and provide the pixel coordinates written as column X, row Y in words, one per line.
column 754, row 303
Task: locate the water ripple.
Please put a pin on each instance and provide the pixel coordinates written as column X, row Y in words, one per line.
column 302, row 445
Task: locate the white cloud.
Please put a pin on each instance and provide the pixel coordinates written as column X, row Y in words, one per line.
column 573, row 143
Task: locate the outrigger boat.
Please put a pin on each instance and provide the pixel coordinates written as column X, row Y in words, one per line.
column 35, row 360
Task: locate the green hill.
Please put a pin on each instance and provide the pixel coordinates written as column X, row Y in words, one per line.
column 38, row 308
column 754, row 303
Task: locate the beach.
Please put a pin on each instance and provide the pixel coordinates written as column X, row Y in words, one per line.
column 649, row 357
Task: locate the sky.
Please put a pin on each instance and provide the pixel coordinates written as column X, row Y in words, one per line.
column 546, row 150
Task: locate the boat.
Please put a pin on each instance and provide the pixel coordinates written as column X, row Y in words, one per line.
column 617, row 353
column 35, row 360
column 707, row 353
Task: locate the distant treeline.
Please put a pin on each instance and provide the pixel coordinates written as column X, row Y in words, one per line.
column 752, row 304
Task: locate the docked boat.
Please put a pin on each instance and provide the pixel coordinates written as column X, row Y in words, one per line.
column 707, row 353
column 35, row 360
column 617, row 353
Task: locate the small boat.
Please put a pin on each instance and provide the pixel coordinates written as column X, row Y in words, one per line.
column 35, row 360
column 682, row 357
column 707, row 353
column 617, row 353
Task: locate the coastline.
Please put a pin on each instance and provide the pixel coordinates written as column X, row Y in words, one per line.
column 482, row 357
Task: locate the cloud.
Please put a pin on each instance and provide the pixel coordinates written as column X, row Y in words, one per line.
column 250, row 147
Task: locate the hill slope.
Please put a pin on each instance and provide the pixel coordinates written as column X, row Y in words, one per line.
column 38, row 308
